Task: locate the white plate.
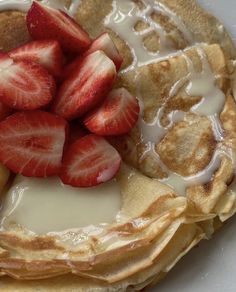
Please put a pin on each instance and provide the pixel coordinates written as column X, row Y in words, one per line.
column 211, row 267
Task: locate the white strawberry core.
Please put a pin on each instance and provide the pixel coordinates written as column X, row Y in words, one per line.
column 106, row 175
column 5, row 64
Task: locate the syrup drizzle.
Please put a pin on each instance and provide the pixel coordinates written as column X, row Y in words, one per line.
column 74, row 6
column 199, row 84
column 122, row 21
column 126, row 14
column 204, row 84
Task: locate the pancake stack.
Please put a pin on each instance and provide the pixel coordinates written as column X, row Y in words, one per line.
column 177, row 179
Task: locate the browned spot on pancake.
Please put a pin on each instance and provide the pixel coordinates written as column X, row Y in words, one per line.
column 131, row 150
column 152, row 42
column 141, row 25
column 38, row 243
column 206, row 196
column 228, row 117
column 4, row 253
column 13, row 30
column 94, row 240
column 126, row 145
column 150, row 166
column 139, row 3
column 163, row 20
column 154, row 84
column 165, row 65
column 189, row 146
column 203, row 26
column 182, row 102
column 207, row 187
column 174, row 36
column 160, row 204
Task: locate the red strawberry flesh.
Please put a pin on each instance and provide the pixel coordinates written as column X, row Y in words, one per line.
column 116, row 116
column 47, row 53
column 44, row 22
column 86, row 87
column 103, row 43
column 5, row 111
column 31, row 143
column 90, row 161
column 24, row 85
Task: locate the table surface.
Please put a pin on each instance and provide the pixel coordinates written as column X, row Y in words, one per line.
column 211, row 267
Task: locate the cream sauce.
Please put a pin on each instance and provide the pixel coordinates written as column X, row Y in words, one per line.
column 152, row 132
column 180, row 183
column 204, row 84
column 126, row 14
column 201, row 84
column 74, row 7
column 46, row 205
column 122, row 20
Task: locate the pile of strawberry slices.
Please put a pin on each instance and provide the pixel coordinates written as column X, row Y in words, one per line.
column 44, row 100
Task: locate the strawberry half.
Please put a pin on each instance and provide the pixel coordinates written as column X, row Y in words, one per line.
column 106, row 44
column 103, row 43
column 86, row 87
column 31, row 143
column 47, row 53
column 90, row 161
column 44, row 22
column 117, row 115
column 24, row 85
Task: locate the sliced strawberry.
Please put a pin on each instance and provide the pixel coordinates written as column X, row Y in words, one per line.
column 44, row 22
column 116, row 116
column 72, row 67
column 24, row 85
column 5, row 111
column 90, row 161
column 31, row 143
column 47, row 53
column 86, row 87
column 103, row 43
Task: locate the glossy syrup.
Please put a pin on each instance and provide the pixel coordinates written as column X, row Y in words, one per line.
column 122, row 20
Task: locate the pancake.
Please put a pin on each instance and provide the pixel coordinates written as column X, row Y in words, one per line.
column 177, row 181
